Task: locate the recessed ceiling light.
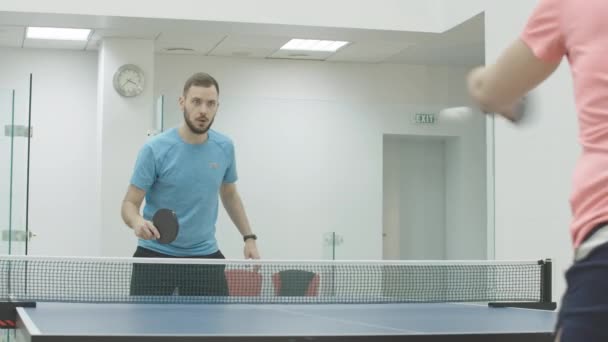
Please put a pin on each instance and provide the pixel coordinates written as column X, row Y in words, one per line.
column 313, row 45
column 57, row 33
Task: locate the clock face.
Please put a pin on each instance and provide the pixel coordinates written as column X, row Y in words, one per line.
column 129, row 80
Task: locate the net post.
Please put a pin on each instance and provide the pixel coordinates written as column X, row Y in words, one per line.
column 546, row 283
column 546, row 280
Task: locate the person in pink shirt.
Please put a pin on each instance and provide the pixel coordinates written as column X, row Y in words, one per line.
column 578, row 31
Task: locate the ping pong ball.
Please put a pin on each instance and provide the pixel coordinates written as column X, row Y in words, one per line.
column 455, row 114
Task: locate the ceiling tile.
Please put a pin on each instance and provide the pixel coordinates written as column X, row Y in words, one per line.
column 188, row 43
column 253, row 46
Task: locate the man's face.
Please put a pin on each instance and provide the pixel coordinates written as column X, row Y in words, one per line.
column 199, row 107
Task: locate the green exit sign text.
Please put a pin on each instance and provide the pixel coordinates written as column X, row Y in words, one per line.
column 424, row 118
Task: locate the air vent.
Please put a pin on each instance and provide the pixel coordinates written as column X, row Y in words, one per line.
column 179, row 49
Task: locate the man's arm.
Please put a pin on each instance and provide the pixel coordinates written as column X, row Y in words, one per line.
column 235, row 209
column 497, row 88
column 130, row 214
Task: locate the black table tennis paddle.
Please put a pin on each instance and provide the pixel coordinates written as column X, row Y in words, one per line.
column 523, row 110
column 165, row 220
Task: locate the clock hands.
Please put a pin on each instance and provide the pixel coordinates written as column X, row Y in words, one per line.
column 127, row 81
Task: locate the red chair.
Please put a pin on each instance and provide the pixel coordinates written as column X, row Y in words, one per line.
column 296, row 277
column 243, row 282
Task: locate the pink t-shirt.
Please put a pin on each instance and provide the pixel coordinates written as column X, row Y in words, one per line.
column 578, row 29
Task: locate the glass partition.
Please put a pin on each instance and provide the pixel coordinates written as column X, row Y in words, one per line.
column 14, row 171
column 7, row 146
column 22, row 136
column 329, row 246
column 15, row 142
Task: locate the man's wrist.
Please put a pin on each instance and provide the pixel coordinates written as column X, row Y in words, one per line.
column 135, row 221
column 249, row 237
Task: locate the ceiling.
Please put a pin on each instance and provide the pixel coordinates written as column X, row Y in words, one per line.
column 462, row 45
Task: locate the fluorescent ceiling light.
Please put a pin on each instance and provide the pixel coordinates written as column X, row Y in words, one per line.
column 57, row 33
column 313, row 45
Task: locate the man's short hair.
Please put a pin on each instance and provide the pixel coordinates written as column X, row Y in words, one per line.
column 201, row 79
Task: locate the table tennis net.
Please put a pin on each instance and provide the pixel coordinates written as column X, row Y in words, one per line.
column 143, row 280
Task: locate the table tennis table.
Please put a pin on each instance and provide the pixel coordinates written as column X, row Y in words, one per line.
column 66, row 322
column 52, row 299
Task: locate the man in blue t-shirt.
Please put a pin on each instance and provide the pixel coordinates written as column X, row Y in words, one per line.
column 184, row 169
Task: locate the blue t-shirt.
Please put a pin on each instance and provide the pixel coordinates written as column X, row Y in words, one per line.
column 185, row 178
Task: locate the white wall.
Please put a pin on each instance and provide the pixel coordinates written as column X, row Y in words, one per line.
column 122, row 125
column 311, row 80
column 465, row 154
column 453, row 13
column 63, row 200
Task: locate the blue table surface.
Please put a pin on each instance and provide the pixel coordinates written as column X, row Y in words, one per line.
column 285, row 319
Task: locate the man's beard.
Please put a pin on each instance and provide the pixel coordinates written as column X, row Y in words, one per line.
column 195, row 129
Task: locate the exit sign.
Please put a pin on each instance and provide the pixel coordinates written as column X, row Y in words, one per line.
column 424, row 118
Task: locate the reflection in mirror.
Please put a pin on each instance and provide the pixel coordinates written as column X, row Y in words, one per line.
column 347, row 141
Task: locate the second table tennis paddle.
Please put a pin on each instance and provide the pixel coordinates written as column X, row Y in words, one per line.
column 521, row 113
